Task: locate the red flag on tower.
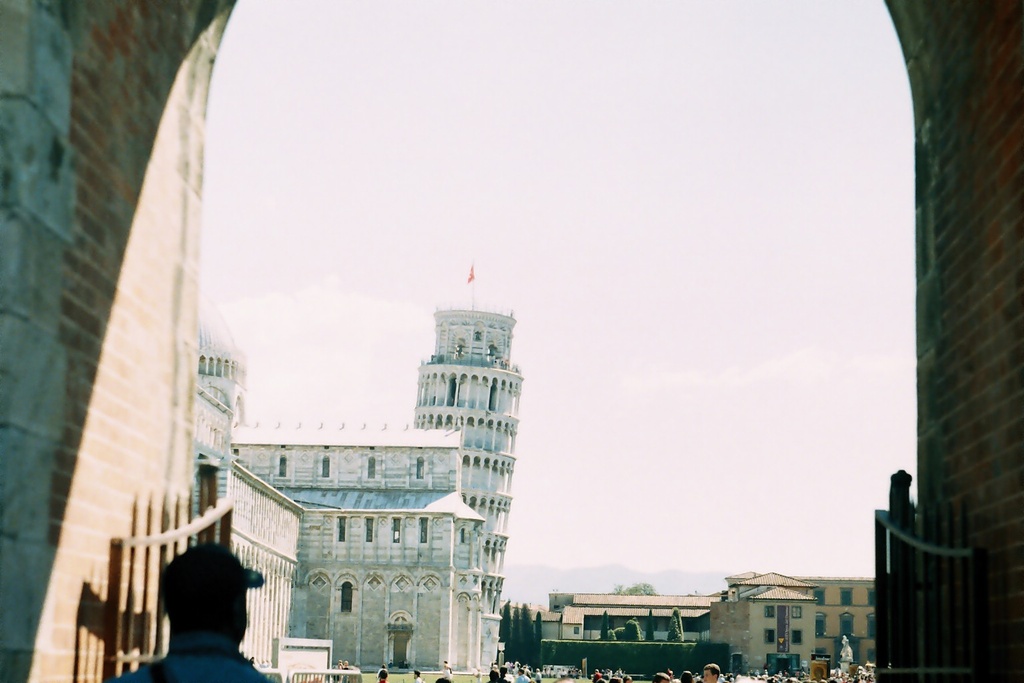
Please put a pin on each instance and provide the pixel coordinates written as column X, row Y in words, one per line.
column 471, row 275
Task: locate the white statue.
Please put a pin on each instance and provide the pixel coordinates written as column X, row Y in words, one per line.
column 846, row 654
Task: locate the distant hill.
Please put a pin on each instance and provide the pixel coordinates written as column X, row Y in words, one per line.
column 531, row 583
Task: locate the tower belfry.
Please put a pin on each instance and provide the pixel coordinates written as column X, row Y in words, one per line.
column 469, row 384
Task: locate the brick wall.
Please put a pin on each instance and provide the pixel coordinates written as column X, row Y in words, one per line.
column 97, row 328
column 965, row 66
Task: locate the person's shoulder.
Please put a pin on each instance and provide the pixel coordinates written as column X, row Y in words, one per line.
column 140, row 676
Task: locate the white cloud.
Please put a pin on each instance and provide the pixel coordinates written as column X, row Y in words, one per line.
column 313, row 354
column 807, row 366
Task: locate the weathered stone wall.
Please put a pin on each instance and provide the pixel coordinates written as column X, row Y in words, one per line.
column 97, row 312
column 265, row 536
column 96, row 334
column 394, row 467
column 965, row 65
column 381, row 595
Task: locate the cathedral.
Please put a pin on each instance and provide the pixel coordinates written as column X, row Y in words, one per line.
column 388, row 542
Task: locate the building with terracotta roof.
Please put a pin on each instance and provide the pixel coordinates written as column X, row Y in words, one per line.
column 844, row 606
column 777, row 622
column 582, row 614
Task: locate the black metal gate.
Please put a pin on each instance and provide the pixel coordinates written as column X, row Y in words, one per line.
column 932, row 597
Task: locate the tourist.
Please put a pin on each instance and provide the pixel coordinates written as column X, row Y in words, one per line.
column 204, row 593
column 446, row 671
column 417, row 677
column 712, row 673
column 522, row 677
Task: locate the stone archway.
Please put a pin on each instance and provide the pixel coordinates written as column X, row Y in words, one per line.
column 83, row 91
column 101, row 111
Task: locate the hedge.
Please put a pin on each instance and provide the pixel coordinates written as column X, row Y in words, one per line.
column 645, row 658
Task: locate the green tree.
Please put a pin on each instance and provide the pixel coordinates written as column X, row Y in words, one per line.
column 630, row 632
column 641, row 588
column 505, row 628
column 515, row 636
column 675, row 627
column 538, row 637
column 649, row 636
column 605, row 626
column 523, row 634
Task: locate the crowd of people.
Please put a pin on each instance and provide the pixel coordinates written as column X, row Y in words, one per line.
column 712, row 673
column 204, row 592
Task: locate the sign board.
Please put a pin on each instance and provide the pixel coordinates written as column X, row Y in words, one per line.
column 782, row 625
column 820, row 667
column 297, row 654
column 819, row 670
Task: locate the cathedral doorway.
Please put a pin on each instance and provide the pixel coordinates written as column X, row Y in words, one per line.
column 399, row 654
column 399, row 637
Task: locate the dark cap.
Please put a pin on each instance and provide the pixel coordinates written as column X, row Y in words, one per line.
column 205, row 575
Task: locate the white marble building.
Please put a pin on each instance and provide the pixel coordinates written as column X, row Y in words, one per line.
column 399, row 534
column 470, row 384
column 389, row 554
column 264, row 524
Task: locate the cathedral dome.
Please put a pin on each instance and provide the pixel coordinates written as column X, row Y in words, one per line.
column 218, row 354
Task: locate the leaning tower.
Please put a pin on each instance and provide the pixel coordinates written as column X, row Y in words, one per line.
column 470, row 384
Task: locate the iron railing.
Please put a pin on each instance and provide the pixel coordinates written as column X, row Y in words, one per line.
column 932, row 596
column 471, row 360
column 134, row 630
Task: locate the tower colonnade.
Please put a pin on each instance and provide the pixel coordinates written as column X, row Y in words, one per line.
column 470, row 385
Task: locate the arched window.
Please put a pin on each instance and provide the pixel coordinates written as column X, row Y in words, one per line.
column 282, row 466
column 371, row 468
column 325, row 467
column 451, row 391
column 346, row 597
column 419, row 468
column 462, row 535
column 492, row 402
column 846, row 624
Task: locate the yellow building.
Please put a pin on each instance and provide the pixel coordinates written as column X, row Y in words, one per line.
column 777, row 622
column 844, row 606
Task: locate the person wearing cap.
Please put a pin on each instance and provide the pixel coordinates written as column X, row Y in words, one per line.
column 204, row 592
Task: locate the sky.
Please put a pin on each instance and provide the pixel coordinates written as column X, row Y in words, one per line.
column 701, row 214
